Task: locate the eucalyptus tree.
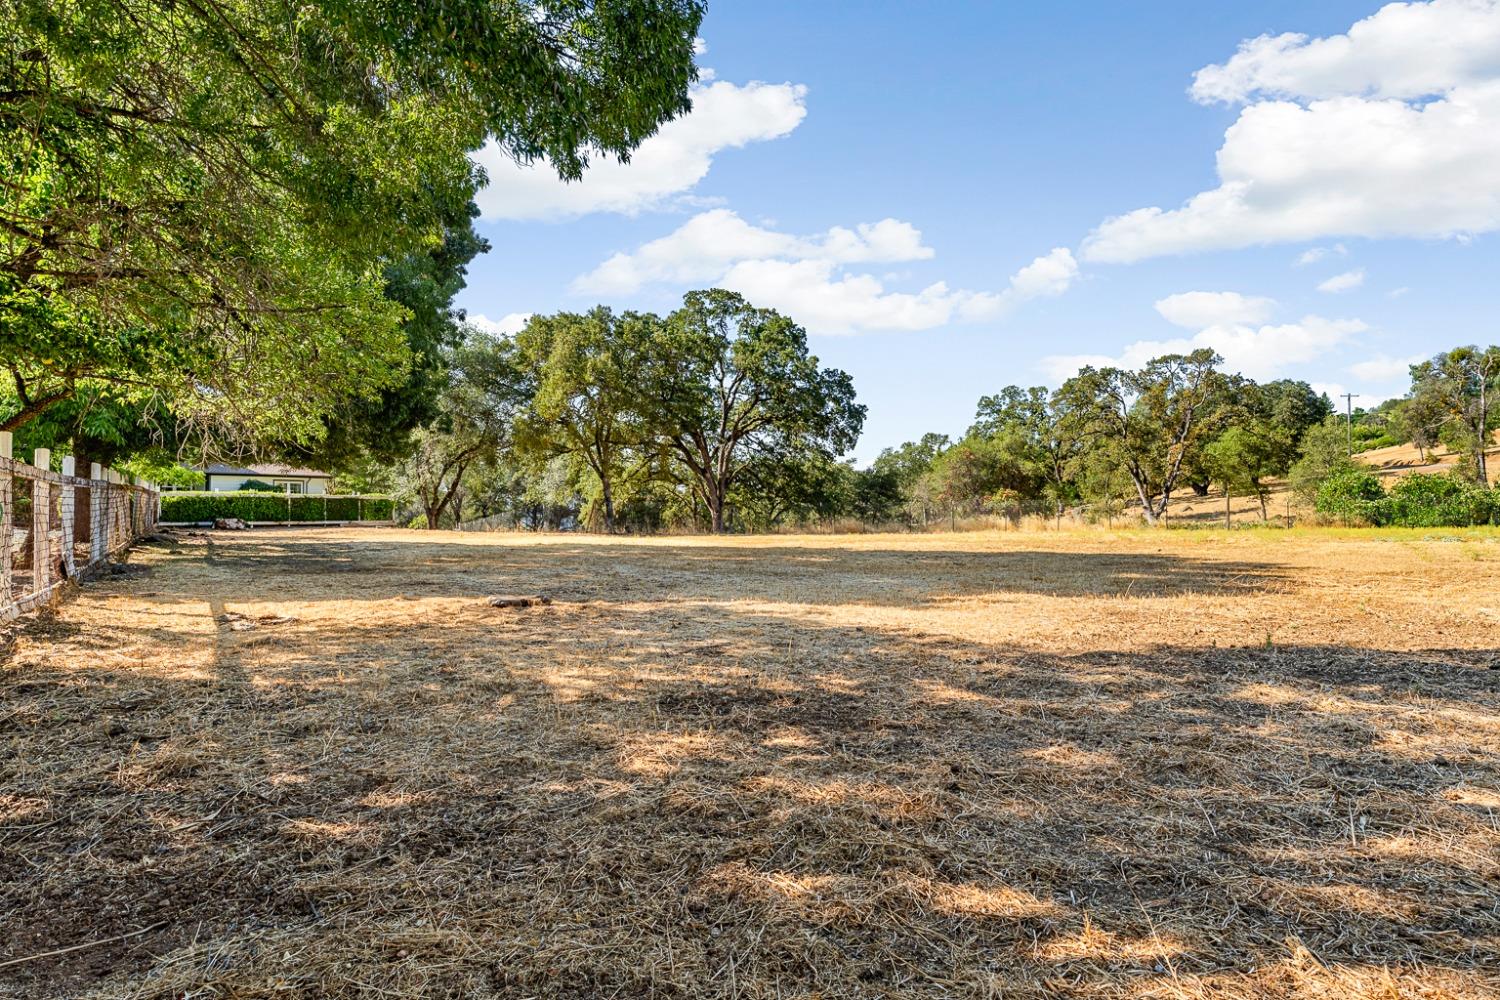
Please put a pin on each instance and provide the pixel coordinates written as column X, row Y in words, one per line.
column 729, row 381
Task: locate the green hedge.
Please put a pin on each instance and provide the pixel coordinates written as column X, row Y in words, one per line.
column 1415, row 501
column 250, row 505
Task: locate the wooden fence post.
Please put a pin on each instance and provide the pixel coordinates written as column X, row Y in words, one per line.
column 7, row 519
column 69, row 517
column 41, row 525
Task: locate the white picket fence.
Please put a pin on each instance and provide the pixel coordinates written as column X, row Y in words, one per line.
column 56, row 527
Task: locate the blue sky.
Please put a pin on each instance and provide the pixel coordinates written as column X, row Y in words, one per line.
column 929, row 188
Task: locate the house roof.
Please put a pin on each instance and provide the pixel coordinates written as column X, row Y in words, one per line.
column 284, row 471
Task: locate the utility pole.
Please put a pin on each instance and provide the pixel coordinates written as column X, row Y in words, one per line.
column 1349, row 419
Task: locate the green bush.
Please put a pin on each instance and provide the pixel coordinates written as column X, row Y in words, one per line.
column 1353, row 494
column 250, row 505
column 1425, row 501
column 1415, row 501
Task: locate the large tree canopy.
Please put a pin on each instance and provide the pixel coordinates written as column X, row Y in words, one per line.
column 202, row 198
column 1152, row 422
column 484, row 392
column 1463, row 387
column 587, row 374
column 730, row 381
column 425, row 283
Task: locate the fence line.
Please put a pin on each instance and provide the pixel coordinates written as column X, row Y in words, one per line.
column 56, row 527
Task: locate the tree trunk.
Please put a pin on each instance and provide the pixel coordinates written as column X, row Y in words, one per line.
column 609, row 506
column 1228, row 517
column 1200, row 489
column 433, row 513
column 713, row 495
column 1481, row 466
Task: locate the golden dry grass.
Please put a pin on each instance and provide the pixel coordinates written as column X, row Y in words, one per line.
column 1081, row 764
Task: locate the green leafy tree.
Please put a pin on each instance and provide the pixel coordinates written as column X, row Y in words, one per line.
column 1244, row 457
column 1464, row 386
column 1288, row 407
column 202, row 200
column 909, row 467
column 1324, row 452
column 729, row 381
column 1418, row 419
column 1352, row 494
column 875, row 495
column 976, row 468
column 1032, row 423
column 1152, row 421
column 777, row 488
column 588, row 375
column 424, row 283
column 477, row 409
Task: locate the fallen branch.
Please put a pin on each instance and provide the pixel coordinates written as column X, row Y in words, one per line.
column 81, row 947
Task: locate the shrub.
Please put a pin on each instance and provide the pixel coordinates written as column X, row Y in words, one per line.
column 1353, row 494
column 1415, row 501
column 1426, row 501
column 259, row 486
column 250, row 505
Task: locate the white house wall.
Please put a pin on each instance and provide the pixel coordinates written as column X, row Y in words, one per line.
column 226, row 484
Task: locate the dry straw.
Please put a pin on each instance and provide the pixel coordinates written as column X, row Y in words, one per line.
column 1020, row 765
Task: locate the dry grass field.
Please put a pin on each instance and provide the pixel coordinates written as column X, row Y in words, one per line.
column 1078, row 764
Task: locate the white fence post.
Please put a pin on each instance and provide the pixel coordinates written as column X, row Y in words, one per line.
column 41, row 525
column 7, row 519
column 98, row 497
column 69, row 516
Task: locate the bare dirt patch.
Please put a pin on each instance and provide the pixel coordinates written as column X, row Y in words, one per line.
column 1074, row 764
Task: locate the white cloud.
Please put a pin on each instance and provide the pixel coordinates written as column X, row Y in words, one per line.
column 1196, row 310
column 1396, row 293
column 708, row 243
column 1362, row 400
column 806, row 277
column 1385, row 369
column 1315, row 254
column 668, row 164
column 1402, row 51
column 1049, row 275
column 1390, row 130
column 814, row 294
column 507, row 326
column 1260, row 352
column 1343, row 282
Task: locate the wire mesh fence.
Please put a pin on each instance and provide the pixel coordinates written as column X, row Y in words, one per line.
column 58, row 526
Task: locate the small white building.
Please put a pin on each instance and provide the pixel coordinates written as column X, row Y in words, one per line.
column 286, row 479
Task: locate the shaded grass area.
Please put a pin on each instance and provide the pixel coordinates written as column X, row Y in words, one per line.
column 991, row 765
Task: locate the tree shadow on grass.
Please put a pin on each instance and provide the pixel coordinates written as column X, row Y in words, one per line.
column 380, row 569
column 694, row 799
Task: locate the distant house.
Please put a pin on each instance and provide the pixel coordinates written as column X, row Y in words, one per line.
column 285, row 478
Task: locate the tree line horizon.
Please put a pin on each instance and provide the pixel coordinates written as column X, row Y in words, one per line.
column 718, row 416
column 239, row 229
